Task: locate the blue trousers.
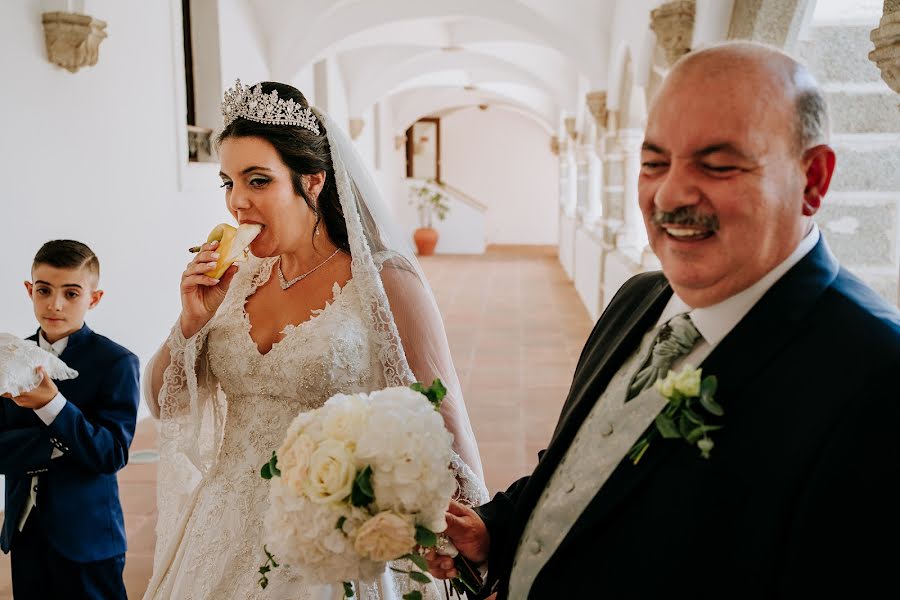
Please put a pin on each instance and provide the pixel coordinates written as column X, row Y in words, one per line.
column 41, row 573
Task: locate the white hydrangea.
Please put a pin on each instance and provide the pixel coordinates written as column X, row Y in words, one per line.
column 397, row 433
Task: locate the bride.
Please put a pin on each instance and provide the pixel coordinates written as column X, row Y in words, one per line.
column 330, row 301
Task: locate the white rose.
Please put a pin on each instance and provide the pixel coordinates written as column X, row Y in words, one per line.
column 688, row 381
column 385, row 536
column 345, row 417
column 331, row 472
column 294, row 461
column 666, row 386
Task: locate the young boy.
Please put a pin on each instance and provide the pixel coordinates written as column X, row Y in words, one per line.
column 61, row 444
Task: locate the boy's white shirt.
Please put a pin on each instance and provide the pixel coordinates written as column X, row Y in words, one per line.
column 47, row 414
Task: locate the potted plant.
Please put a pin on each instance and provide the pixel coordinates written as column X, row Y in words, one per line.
column 430, row 202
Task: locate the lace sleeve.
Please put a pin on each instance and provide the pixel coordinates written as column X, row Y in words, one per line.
column 425, row 345
column 190, row 415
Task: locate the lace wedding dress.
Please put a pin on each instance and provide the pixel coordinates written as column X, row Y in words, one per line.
column 220, row 547
column 224, row 407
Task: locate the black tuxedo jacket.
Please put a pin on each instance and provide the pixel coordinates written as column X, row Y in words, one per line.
column 800, row 493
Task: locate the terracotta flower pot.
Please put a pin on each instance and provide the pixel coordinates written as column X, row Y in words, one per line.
column 426, row 239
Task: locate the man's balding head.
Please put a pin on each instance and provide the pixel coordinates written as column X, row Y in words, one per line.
column 765, row 68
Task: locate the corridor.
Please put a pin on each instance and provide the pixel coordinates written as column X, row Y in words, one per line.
column 516, row 328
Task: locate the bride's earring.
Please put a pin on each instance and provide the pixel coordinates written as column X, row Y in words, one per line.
column 316, row 230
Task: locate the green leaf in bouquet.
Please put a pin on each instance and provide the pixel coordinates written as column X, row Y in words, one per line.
column 692, row 416
column 270, row 469
column 666, row 426
column 340, row 523
column 362, row 493
column 419, row 577
column 699, row 432
column 348, row 590
column 413, row 596
column 706, row 397
column 435, row 393
column 708, row 386
column 425, row 537
column 417, row 560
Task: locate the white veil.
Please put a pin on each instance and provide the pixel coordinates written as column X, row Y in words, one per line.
column 407, row 329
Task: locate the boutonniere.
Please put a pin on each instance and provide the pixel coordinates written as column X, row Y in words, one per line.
column 691, row 402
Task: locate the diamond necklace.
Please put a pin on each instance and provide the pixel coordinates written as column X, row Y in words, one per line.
column 286, row 284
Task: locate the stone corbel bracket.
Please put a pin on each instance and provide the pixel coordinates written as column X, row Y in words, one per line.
column 73, row 41
column 886, row 54
column 356, row 127
column 596, row 102
column 673, row 24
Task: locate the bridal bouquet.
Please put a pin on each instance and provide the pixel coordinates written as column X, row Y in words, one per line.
column 361, row 481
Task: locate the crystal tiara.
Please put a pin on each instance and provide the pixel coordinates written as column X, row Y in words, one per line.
column 241, row 101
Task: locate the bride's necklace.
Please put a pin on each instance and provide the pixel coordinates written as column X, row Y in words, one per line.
column 286, row 284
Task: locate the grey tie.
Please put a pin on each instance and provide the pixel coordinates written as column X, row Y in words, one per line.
column 674, row 340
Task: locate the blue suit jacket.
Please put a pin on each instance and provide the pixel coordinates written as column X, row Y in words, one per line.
column 800, row 492
column 78, row 494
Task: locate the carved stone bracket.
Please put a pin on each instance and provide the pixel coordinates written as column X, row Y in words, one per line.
column 399, row 141
column 570, row 127
column 596, row 102
column 73, row 41
column 554, row 145
column 887, row 46
column 673, row 24
column 356, row 127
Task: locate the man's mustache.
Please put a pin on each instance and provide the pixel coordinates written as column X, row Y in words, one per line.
column 686, row 216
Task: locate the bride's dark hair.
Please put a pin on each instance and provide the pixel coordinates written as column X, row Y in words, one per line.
column 305, row 153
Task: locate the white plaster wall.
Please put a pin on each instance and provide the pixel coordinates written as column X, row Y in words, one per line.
column 503, row 160
column 93, row 156
column 241, row 44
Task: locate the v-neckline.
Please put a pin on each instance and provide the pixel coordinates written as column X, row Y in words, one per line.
column 287, row 330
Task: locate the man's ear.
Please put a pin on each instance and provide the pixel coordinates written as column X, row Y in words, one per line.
column 30, row 288
column 819, row 164
column 95, row 298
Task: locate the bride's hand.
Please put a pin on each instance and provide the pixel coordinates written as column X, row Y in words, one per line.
column 201, row 296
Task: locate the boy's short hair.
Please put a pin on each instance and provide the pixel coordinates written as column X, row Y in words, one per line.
column 67, row 254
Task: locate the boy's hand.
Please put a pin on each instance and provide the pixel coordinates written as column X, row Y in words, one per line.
column 40, row 396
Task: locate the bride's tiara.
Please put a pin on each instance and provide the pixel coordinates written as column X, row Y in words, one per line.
column 253, row 104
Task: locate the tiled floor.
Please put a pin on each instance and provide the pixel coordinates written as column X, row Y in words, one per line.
column 516, row 328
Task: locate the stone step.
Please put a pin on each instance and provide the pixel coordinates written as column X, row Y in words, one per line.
column 839, row 53
column 864, row 112
column 861, row 228
column 870, row 166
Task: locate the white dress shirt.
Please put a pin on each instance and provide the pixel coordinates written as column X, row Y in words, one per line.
column 716, row 321
column 47, row 414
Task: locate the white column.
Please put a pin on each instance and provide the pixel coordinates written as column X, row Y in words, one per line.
column 632, row 238
column 595, row 184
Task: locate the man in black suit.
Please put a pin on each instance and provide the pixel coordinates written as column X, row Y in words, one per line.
column 795, row 494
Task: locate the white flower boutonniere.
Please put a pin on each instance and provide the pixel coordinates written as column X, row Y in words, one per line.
column 691, row 402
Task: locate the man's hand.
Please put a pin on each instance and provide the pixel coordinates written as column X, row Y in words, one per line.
column 470, row 536
column 40, row 396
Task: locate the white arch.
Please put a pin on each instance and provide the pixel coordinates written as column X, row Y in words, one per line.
column 298, row 39
column 480, row 67
column 411, row 105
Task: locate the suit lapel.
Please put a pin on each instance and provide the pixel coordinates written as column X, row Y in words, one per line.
column 770, row 324
column 606, row 357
